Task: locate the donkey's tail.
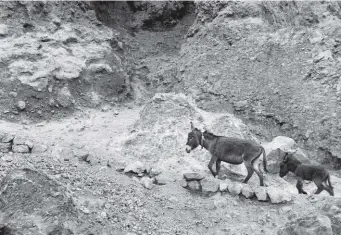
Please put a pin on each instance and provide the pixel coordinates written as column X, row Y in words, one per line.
column 264, row 159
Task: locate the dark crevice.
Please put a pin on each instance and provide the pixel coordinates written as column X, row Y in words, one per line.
column 127, row 15
column 6, row 231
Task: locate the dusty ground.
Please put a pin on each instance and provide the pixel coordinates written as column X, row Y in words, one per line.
column 121, row 203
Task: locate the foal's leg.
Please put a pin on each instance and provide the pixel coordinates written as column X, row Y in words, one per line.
column 321, row 187
column 250, row 171
column 318, row 183
column 210, row 164
column 329, row 186
column 299, row 186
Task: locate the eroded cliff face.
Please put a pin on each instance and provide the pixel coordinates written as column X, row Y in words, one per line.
column 276, row 64
column 56, row 56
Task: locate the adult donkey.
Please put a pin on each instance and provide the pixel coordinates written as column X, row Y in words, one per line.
column 230, row 150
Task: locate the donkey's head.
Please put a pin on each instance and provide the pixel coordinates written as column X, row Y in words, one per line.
column 284, row 166
column 194, row 138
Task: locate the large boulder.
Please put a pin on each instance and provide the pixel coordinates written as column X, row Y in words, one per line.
column 147, row 182
column 164, row 125
column 277, row 195
column 309, row 225
column 194, row 185
column 7, row 138
column 261, row 194
column 64, row 97
column 235, row 188
column 248, row 191
column 193, row 176
column 5, row 147
column 282, row 142
column 39, row 148
column 223, row 186
column 135, row 167
column 277, row 149
column 20, row 148
column 209, row 185
column 33, row 203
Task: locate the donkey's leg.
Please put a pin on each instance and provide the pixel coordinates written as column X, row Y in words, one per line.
column 249, row 171
column 319, row 190
column 218, row 166
column 211, row 163
column 255, row 166
column 330, row 190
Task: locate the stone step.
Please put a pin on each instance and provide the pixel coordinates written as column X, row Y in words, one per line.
column 209, row 185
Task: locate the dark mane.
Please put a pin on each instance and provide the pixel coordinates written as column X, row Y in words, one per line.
column 211, row 135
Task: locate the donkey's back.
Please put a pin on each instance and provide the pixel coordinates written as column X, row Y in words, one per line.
column 236, row 145
column 235, row 150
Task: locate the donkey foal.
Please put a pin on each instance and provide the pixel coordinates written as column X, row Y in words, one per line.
column 318, row 174
column 229, row 150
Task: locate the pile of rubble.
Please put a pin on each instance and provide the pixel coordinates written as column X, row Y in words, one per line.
column 199, row 183
column 146, row 175
column 19, row 144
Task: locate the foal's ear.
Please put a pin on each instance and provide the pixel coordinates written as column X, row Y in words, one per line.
column 192, row 126
column 285, row 159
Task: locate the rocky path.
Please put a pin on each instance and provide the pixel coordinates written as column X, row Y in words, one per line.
column 111, row 202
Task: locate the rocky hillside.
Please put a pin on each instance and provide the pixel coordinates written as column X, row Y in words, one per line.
column 96, row 100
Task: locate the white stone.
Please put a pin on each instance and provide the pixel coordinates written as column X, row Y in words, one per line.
column 235, row 188
column 277, row 195
column 20, row 149
column 64, row 97
column 3, row 30
column 247, row 191
column 147, row 182
column 209, row 185
column 223, row 186
column 261, row 194
column 136, row 167
column 193, row 185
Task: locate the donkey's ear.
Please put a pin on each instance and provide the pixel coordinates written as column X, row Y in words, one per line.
column 285, row 159
column 192, row 126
